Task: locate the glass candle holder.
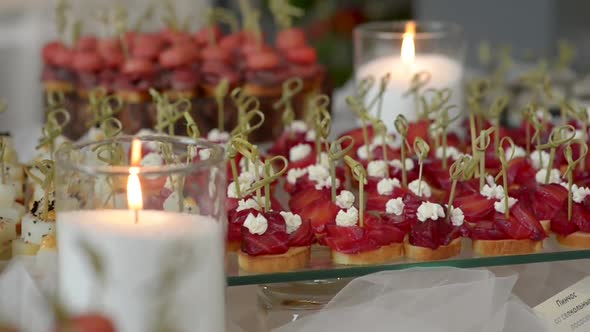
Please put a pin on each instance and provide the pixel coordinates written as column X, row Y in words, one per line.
column 143, row 242
column 433, row 52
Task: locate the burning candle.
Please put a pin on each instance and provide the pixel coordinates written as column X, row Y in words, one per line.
column 147, row 269
column 436, row 50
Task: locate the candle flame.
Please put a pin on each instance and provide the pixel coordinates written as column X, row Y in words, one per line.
column 134, row 195
column 135, row 152
column 408, row 50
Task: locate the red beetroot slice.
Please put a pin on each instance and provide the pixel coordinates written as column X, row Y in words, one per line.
column 382, row 231
column 548, row 200
column 432, row 234
column 231, row 42
column 274, row 241
column 520, row 171
column 291, row 38
column 305, row 55
column 49, row 51
column 487, row 230
column 521, row 224
column 248, row 49
column 561, row 225
column 86, row 43
column 215, row 54
column 203, row 36
column 349, row 240
column 475, row 207
column 87, row 323
column 376, row 202
column 263, row 61
column 581, row 217
column 63, row 57
column 235, row 222
column 303, row 237
column 304, row 198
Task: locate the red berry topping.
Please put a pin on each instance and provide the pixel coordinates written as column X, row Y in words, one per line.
column 433, row 234
column 135, row 66
column 202, row 37
column 304, row 55
column 49, row 51
column 263, row 60
column 274, row 241
column 215, row 53
column 291, row 38
column 86, row 43
column 63, row 57
column 177, row 56
column 349, row 240
column 475, row 207
column 87, row 61
column 303, row 236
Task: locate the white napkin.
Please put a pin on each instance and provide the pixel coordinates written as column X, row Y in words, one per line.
column 439, row 299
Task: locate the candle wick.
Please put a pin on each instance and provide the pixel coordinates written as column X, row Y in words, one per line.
column 136, row 213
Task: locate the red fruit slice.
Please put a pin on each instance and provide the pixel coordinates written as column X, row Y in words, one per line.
column 303, row 237
column 291, row 38
column 561, row 225
column 548, row 200
column 304, row 198
column 382, row 231
column 214, row 53
column 475, row 207
column 177, row 56
column 63, row 57
column 87, row 61
column 136, row 66
column 248, row 49
column 49, row 50
column 203, row 36
column 231, row 42
column 86, row 43
column 357, row 136
column 522, row 224
column 305, row 55
column 88, row 323
column 349, row 240
column 263, row 60
column 419, row 129
column 320, row 214
column 581, row 217
column 274, row 241
column 520, row 171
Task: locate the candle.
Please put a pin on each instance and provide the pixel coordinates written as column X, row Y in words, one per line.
column 148, row 270
column 444, row 72
column 134, row 257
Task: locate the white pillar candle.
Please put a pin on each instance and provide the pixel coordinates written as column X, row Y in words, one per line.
column 134, row 259
column 444, row 72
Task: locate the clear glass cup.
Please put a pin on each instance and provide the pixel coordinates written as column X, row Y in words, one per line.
column 434, row 50
column 149, row 262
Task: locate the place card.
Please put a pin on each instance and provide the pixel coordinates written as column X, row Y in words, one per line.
column 569, row 310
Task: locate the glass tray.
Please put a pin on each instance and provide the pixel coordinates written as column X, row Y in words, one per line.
column 321, row 267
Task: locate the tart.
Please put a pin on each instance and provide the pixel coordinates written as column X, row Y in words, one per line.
column 574, row 233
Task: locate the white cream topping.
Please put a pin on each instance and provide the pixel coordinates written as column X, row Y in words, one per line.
column 398, row 164
column 215, row 135
column 428, row 210
column 518, row 152
column 299, row 151
column 318, row 172
column 363, row 152
column 493, row 191
column 500, row 205
column 326, row 183
column 385, row 186
column 539, row 161
column 250, row 203
column 204, row 154
column 256, row 224
column 345, row 199
column 380, row 139
column 377, row 168
column 554, row 176
column 451, row 152
column 310, row 135
column 457, row 216
column 324, row 160
column 579, row 134
column 7, row 195
column 347, row 218
column 578, row 193
column 425, row 190
column 295, row 173
column 293, row 221
column 395, row 206
column 298, row 126
column 152, row 159
column 245, row 181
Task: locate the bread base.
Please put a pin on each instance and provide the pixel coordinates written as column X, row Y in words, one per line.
column 57, row 86
column 233, row 246
column 384, row 254
column 546, row 224
column 579, row 240
column 427, row 254
column 262, row 91
column 295, row 258
column 133, row 97
column 506, row 247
